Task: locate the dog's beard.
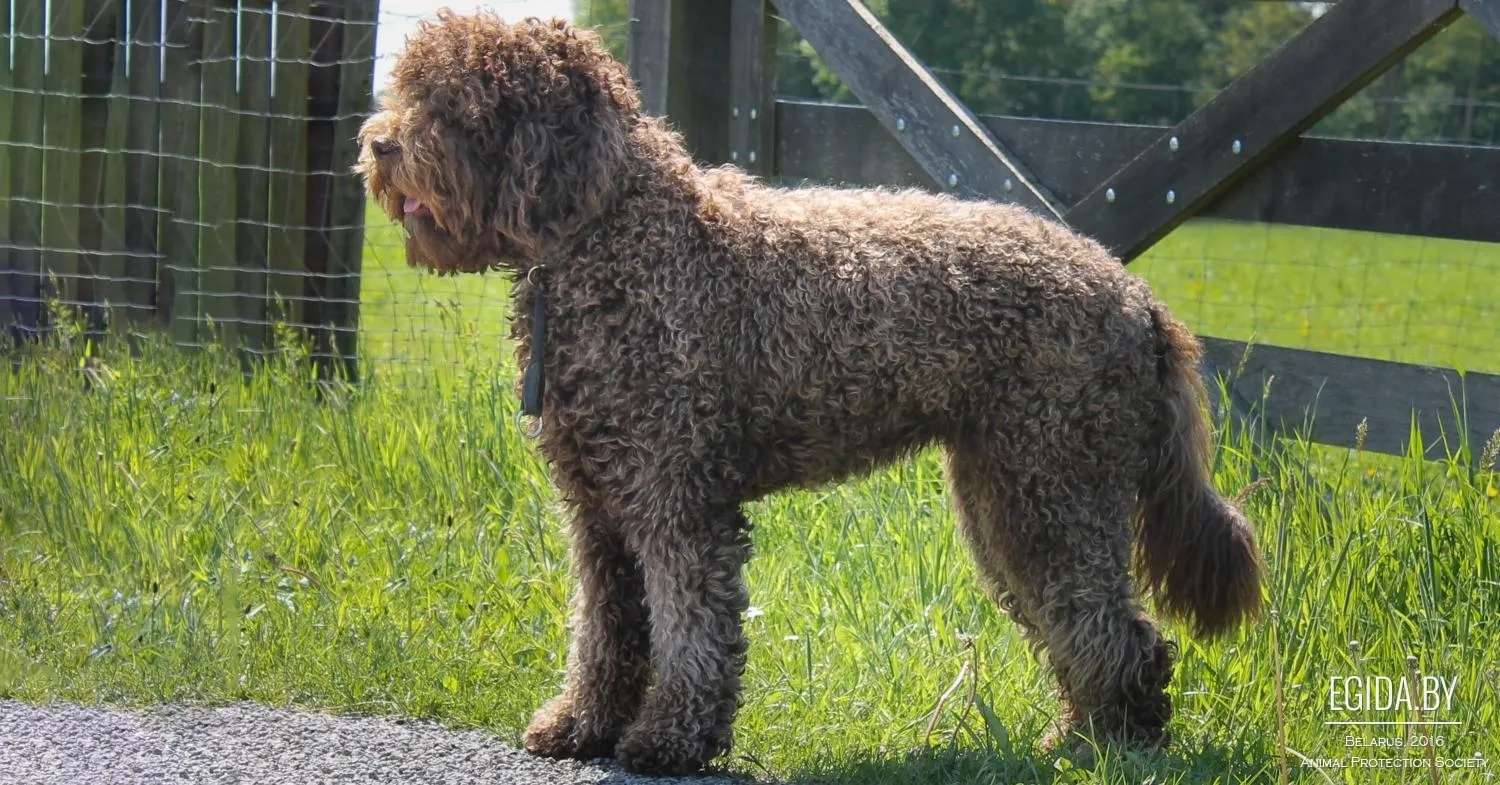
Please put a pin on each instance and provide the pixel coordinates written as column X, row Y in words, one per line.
column 432, row 248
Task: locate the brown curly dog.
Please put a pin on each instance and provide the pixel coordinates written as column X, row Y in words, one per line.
column 710, row 339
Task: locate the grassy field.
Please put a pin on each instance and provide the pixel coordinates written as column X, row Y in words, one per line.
column 173, row 534
column 1392, row 297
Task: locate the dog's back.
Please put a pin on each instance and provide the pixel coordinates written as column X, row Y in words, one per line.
column 884, row 321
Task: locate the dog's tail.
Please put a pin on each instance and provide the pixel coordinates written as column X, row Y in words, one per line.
column 1194, row 549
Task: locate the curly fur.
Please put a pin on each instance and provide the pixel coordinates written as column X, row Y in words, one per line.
column 712, row 340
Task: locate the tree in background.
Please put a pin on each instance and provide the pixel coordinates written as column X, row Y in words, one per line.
column 1144, row 58
column 610, row 18
column 1246, row 34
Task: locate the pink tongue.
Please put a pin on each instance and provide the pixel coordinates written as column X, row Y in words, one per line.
column 412, row 205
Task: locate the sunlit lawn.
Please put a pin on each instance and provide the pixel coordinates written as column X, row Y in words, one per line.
column 177, row 535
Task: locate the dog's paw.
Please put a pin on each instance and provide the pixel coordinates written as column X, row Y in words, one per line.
column 652, row 751
column 555, row 732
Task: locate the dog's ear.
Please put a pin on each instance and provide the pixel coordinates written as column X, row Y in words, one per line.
column 559, row 171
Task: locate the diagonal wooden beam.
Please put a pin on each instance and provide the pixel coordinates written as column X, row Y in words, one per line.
column 1250, row 120
column 1485, row 12
column 940, row 133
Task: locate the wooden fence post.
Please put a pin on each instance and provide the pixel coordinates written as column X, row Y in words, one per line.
column 679, row 57
column 333, row 253
column 650, row 51
column 752, row 76
column 347, row 195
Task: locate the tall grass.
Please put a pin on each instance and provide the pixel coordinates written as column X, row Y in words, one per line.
column 171, row 530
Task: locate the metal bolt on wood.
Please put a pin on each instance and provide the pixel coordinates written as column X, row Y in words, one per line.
column 1171, row 197
column 1235, row 147
column 1172, row 143
column 752, row 156
column 734, row 155
column 956, row 131
column 901, row 124
column 1109, row 195
column 952, row 179
column 734, row 111
column 754, row 113
column 1009, row 185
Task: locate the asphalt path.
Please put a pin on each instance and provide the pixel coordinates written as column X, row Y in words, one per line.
column 63, row 744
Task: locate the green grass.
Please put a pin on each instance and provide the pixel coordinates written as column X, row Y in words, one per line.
column 1391, row 297
column 413, row 324
column 177, row 534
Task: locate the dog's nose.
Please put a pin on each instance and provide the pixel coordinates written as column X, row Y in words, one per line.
column 384, row 145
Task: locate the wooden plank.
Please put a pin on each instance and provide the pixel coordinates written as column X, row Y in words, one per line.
column 180, row 116
column 219, row 295
column 934, row 126
column 115, row 289
column 752, row 75
column 7, row 90
column 253, row 181
column 288, row 240
column 142, row 165
column 347, row 194
column 319, row 310
column 101, row 224
column 63, row 136
column 649, row 49
column 1485, row 12
column 1413, row 189
column 22, row 302
column 1252, row 119
column 1394, row 187
column 1335, row 393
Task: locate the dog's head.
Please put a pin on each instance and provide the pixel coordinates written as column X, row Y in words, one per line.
column 495, row 141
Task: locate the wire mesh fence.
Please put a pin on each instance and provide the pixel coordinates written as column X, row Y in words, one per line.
column 181, row 165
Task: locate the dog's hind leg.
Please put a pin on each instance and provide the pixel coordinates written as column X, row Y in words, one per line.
column 693, row 559
column 609, row 658
column 1049, row 525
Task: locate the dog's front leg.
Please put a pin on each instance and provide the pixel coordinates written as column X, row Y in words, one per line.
column 609, row 657
column 693, row 559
